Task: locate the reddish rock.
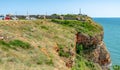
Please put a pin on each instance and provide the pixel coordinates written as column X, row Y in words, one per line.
column 94, row 48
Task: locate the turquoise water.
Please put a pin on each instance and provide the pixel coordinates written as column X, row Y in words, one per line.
column 111, row 36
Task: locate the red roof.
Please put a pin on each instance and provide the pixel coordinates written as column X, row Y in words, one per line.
column 7, row 18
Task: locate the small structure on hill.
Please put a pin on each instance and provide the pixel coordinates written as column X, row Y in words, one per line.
column 14, row 18
column 44, row 17
column 1, row 17
column 27, row 18
column 61, row 17
column 78, row 18
column 8, row 17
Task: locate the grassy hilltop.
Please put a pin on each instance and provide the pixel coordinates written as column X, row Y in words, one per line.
column 43, row 44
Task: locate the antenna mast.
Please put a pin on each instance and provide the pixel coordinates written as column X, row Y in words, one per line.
column 27, row 13
column 80, row 11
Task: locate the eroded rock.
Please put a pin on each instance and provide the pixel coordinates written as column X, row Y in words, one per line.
column 94, row 49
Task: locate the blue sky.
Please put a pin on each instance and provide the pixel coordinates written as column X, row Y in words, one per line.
column 93, row 8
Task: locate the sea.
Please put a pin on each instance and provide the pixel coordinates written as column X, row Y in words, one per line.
column 111, row 37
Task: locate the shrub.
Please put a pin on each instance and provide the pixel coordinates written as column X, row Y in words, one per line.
column 49, row 62
column 14, row 44
column 116, row 67
column 39, row 62
column 90, row 64
column 60, row 46
column 19, row 43
column 82, row 64
column 4, row 45
column 63, row 53
column 79, row 49
column 83, row 27
column 44, row 27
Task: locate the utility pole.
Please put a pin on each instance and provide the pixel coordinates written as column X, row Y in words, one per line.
column 27, row 17
column 27, row 13
column 45, row 16
column 15, row 14
column 80, row 11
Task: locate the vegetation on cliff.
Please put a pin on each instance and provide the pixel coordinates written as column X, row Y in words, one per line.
column 89, row 45
column 29, row 45
column 86, row 27
column 116, row 67
column 44, row 45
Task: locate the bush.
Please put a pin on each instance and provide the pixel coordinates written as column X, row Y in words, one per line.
column 79, row 49
column 90, row 64
column 44, row 27
column 63, row 53
column 4, row 45
column 49, row 62
column 82, row 64
column 19, row 43
column 14, row 44
column 116, row 67
column 83, row 27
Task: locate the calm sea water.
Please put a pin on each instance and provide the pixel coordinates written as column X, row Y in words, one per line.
column 111, row 36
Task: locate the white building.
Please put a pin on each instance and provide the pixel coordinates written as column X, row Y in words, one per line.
column 1, row 17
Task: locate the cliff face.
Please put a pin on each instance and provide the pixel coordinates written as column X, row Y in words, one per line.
column 94, row 49
column 89, row 44
column 42, row 44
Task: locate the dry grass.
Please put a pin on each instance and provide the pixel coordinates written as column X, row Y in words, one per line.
column 39, row 34
column 44, row 38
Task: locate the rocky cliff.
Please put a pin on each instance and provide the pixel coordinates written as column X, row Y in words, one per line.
column 52, row 45
column 89, row 43
column 94, row 49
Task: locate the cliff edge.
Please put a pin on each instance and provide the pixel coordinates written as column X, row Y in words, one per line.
column 89, row 43
column 94, row 49
column 47, row 44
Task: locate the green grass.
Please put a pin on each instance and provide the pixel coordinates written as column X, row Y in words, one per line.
column 116, row 67
column 4, row 45
column 19, row 43
column 14, row 44
column 83, row 64
column 30, row 44
column 82, row 27
column 79, row 49
column 62, row 53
